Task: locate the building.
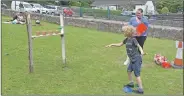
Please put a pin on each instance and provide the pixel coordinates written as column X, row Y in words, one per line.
column 117, row 4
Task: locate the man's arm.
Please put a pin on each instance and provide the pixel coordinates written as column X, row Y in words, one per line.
column 146, row 22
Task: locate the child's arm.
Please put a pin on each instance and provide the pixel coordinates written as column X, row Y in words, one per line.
column 140, row 49
column 116, row 44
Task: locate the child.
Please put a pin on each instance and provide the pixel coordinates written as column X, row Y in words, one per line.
column 134, row 55
column 119, row 45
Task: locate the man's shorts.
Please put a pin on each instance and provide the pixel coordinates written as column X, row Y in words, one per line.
column 135, row 66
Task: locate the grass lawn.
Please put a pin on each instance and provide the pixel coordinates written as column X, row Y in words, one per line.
column 91, row 68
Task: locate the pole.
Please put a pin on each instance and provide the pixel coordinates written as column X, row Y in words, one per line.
column 15, row 6
column 62, row 38
column 81, row 12
column 29, row 30
column 108, row 12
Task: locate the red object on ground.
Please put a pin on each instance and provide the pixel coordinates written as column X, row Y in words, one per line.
column 44, row 33
column 38, row 33
column 141, row 28
column 159, row 59
column 50, row 33
column 56, row 32
column 166, row 65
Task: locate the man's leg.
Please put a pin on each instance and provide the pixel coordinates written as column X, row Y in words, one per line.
column 141, row 41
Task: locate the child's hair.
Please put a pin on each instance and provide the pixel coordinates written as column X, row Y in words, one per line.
column 128, row 30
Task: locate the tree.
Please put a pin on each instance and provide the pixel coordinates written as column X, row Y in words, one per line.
column 64, row 3
column 82, row 3
column 165, row 10
column 85, row 4
column 74, row 3
column 173, row 5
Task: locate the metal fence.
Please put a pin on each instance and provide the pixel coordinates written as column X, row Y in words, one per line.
column 99, row 13
column 174, row 20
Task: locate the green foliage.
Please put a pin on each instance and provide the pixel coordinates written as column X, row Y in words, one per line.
column 172, row 5
column 81, row 3
column 85, row 4
column 165, row 10
column 74, row 3
column 100, row 12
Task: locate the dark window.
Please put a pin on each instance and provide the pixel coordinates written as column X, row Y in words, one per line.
column 21, row 5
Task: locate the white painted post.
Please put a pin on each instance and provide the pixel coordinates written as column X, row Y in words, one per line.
column 62, row 37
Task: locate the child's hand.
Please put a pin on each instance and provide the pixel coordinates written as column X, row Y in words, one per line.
column 144, row 53
column 108, row 46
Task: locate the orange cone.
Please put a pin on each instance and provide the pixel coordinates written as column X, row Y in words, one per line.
column 178, row 61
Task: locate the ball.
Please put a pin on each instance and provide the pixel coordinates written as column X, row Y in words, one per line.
column 37, row 21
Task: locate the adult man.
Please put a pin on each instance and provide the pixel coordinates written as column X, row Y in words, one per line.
column 19, row 16
column 135, row 21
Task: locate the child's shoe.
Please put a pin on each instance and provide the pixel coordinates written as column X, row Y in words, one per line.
column 139, row 91
column 130, row 85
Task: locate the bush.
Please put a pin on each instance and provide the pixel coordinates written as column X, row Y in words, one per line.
column 165, row 10
column 73, row 3
column 97, row 12
column 100, row 12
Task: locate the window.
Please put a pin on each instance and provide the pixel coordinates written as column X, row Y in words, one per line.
column 52, row 7
column 37, row 6
column 21, row 5
column 49, row 7
column 27, row 6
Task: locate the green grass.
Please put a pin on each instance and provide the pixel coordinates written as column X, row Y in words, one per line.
column 91, row 68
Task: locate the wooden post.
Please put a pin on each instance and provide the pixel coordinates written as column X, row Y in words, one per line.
column 62, row 38
column 29, row 30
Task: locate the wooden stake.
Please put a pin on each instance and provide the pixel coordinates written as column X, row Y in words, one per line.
column 29, row 30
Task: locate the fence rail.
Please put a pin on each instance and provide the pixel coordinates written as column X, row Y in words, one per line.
column 174, row 20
